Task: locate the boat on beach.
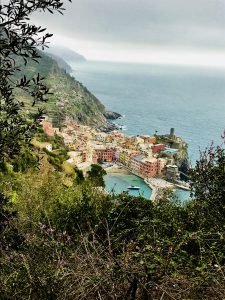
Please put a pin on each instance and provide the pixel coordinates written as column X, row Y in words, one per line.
column 132, row 187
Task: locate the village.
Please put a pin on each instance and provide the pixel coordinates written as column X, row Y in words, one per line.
column 141, row 155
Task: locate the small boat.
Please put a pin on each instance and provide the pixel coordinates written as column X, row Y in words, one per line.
column 132, row 187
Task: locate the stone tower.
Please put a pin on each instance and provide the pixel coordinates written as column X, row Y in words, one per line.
column 172, row 135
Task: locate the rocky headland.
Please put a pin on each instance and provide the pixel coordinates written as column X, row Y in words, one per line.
column 70, row 99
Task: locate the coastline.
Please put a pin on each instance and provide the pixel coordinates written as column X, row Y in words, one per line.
column 158, row 185
column 110, row 126
column 154, row 190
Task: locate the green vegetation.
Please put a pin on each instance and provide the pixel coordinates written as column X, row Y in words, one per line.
column 19, row 42
column 59, row 153
column 69, row 99
column 100, row 246
column 96, row 174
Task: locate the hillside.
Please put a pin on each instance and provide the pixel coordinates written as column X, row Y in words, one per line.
column 70, row 98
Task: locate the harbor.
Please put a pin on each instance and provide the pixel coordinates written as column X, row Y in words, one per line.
column 119, row 179
column 118, row 182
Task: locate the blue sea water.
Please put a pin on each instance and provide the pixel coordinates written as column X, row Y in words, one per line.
column 156, row 98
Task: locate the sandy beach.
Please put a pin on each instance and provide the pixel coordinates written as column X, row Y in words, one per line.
column 117, row 170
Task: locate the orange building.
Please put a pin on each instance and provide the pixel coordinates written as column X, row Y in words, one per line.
column 148, row 139
column 106, row 154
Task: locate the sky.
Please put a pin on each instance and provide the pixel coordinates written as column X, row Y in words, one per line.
column 189, row 32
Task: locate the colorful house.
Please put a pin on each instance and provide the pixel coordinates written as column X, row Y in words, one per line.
column 106, row 154
column 158, row 148
column 147, row 167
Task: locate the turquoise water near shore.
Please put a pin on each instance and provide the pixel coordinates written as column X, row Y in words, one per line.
column 153, row 97
column 118, row 183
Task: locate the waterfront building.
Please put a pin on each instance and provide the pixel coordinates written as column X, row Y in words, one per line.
column 117, row 152
column 125, row 157
column 152, row 167
column 161, row 164
column 136, row 163
column 147, row 167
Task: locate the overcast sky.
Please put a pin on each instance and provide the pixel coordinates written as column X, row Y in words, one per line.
column 160, row 31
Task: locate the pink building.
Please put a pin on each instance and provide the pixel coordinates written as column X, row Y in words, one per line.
column 136, row 162
column 147, row 167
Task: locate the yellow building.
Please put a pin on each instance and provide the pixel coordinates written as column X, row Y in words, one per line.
column 124, row 157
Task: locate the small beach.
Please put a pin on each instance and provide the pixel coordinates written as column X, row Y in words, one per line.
column 117, row 170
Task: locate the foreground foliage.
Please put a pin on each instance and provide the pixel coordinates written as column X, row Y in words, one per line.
column 18, row 45
column 75, row 242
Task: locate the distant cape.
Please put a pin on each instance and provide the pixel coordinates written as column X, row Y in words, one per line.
column 61, row 62
column 66, row 54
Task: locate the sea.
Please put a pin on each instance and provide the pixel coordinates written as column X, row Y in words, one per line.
column 154, row 98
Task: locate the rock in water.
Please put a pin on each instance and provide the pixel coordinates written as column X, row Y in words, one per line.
column 110, row 115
